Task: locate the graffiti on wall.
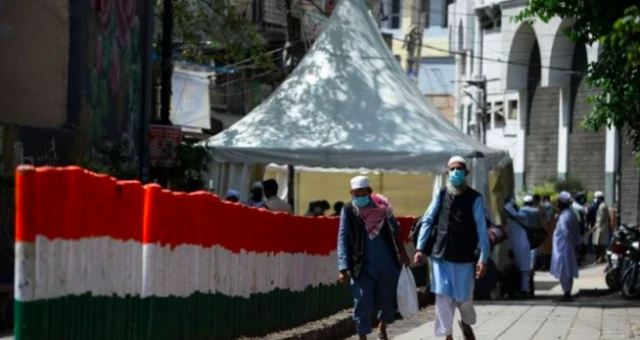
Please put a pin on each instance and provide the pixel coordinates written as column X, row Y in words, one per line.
column 112, row 102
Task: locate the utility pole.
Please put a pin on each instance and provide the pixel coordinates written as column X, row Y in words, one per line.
column 422, row 16
column 295, row 47
column 619, row 179
column 481, row 130
column 413, row 43
column 167, row 62
column 484, row 109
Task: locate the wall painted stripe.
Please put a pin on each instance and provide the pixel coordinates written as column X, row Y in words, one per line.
column 105, row 267
column 202, row 219
column 94, row 253
column 199, row 316
column 72, row 203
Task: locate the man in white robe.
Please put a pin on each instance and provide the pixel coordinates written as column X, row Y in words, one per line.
column 527, row 217
column 566, row 239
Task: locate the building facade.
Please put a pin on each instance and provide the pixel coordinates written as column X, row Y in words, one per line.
column 536, row 97
column 436, row 75
column 73, row 82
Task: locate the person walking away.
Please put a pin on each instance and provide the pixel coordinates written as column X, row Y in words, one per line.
column 549, row 223
column 369, row 242
column 458, row 213
column 273, row 202
column 578, row 207
column 256, row 196
column 564, row 263
column 232, row 196
column 600, row 228
column 527, row 217
column 337, row 208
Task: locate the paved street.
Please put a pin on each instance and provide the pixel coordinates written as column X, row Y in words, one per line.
column 542, row 320
column 588, row 318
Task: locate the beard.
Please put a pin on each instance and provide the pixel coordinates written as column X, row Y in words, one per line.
column 453, row 190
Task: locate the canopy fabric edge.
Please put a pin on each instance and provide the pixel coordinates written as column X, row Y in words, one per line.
column 352, row 159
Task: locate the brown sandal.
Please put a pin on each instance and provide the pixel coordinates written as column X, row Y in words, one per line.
column 467, row 331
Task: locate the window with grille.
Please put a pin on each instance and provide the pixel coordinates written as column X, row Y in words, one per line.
column 513, row 110
column 395, row 14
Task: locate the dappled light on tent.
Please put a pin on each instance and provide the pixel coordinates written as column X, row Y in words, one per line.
column 347, row 104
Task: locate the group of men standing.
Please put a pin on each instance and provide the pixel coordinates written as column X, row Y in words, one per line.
column 453, row 235
column 371, row 253
column 262, row 195
column 578, row 225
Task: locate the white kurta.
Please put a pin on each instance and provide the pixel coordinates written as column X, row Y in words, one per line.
column 518, row 240
column 564, row 262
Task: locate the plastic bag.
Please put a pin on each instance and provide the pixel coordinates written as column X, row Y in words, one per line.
column 407, row 294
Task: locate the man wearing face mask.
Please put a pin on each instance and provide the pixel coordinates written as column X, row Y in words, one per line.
column 370, row 253
column 458, row 214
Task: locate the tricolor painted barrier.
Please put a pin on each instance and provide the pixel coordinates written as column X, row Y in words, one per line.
column 98, row 258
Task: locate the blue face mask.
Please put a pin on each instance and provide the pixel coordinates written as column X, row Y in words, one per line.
column 361, row 201
column 456, row 177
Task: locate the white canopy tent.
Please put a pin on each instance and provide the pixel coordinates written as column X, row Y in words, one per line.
column 348, row 104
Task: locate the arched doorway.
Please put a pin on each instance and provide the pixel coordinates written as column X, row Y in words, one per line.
column 586, row 148
column 541, row 158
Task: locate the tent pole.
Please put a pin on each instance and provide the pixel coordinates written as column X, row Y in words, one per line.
column 291, row 177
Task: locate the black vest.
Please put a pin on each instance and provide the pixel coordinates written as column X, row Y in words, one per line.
column 457, row 236
column 357, row 234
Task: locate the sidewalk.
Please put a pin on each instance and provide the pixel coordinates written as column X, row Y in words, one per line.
column 588, row 318
column 539, row 320
column 591, row 279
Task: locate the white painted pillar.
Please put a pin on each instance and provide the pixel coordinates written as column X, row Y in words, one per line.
column 564, row 115
column 458, row 93
column 477, row 48
column 611, row 160
column 521, row 138
column 473, row 91
column 465, row 117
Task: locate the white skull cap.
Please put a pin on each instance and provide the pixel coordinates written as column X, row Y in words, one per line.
column 457, row 159
column 564, row 197
column 360, row 182
column 528, row 199
column 598, row 194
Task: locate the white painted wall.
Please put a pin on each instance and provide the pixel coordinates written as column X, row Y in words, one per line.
column 503, row 49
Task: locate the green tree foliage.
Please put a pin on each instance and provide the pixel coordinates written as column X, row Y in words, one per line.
column 192, row 164
column 616, row 26
column 207, row 30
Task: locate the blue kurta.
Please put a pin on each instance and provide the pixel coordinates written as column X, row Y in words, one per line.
column 455, row 280
column 375, row 289
column 564, row 263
